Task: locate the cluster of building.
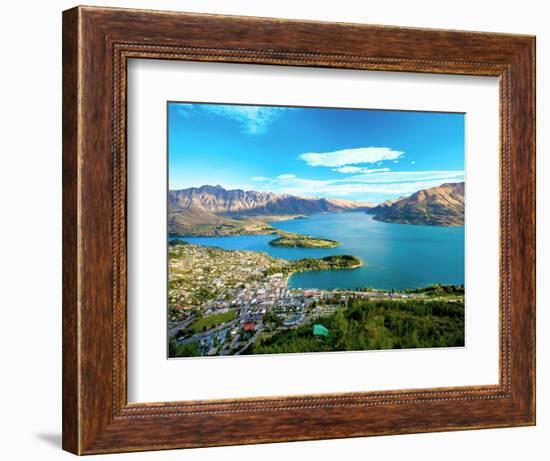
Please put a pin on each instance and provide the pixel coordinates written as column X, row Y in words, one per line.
column 210, row 281
column 252, row 302
column 210, row 278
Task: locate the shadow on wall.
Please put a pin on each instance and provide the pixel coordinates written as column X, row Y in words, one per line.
column 53, row 439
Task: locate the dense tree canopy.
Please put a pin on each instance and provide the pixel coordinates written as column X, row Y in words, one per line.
column 367, row 325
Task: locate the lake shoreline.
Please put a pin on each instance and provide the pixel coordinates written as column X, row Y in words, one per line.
column 391, row 252
column 356, row 266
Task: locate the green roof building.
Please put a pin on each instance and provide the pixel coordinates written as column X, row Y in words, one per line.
column 320, row 330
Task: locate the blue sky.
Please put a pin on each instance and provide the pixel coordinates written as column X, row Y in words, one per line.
column 355, row 154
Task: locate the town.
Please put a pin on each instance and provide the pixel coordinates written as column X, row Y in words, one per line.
column 222, row 301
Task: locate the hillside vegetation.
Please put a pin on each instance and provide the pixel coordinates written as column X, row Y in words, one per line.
column 368, row 325
column 291, row 240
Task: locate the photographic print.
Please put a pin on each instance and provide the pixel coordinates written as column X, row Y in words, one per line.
column 313, row 229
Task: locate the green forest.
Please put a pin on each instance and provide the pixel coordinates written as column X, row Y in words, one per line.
column 373, row 325
column 291, row 240
column 317, row 264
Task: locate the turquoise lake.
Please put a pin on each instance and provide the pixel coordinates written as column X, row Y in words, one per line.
column 394, row 255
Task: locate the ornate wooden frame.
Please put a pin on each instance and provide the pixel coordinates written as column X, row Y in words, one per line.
column 97, row 43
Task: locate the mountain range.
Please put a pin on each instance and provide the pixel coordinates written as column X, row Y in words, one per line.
column 237, row 202
column 437, row 206
column 213, row 210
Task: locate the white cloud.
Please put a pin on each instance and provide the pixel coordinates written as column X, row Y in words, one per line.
column 350, row 156
column 374, row 186
column 407, row 176
column 358, row 169
column 260, row 178
column 184, row 109
column 348, row 169
column 253, row 120
column 286, row 176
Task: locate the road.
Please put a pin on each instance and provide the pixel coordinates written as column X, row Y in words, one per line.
column 202, row 334
column 252, row 340
column 172, row 330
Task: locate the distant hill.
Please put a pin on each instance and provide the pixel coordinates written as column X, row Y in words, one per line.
column 237, row 202
column 213, row 210
column 437, row 206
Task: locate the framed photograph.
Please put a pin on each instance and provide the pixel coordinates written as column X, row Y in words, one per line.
column 284, row 230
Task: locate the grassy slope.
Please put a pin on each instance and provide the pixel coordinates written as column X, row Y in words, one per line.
column 211, row 321
column 202, row 223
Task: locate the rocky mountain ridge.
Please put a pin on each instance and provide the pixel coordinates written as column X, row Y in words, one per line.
column 237, row 202
column 436, row 206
